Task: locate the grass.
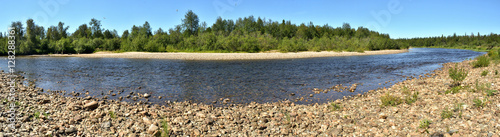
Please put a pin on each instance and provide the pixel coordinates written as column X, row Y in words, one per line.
column 424, row 123
column 457, row 75
column 496, row 72
column 458, row 108
column 411, row 99
column 446, row 113
column 36, row 115
column 112, row 114
column 166, row 130
column 453, row 90
column 484, row 73
column 482, row 61
column 481, row 87
column 390, row 100
column 335, row 106
column 490, row 92
column 479, row 103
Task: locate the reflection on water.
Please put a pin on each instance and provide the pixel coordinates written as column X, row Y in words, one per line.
column 241, row 81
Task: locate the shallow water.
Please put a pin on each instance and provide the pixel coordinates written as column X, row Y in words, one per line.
column 241, row 81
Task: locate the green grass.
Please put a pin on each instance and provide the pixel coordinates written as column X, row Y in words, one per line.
column 481, row 87
column 390, row 100
column 482, row 61
column 446, row 113
column 490, row 92
column 479, row 103
column 457, row 75
column 458, row 108
column 335, row 106
column 409, row 99
column 453, row 90
column 424, row 123
column 112, row 114
column 36, row 115
column 166, row 130
column 484, row 73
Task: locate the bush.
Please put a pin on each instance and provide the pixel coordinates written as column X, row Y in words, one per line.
column 457, row 75
column 482, row 61
column 389, row 100
column 484, row 73
column 496, row 72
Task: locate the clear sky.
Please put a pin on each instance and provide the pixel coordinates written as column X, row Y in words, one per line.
column 398, row 18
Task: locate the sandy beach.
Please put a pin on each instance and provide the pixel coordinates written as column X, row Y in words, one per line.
column 225, row 56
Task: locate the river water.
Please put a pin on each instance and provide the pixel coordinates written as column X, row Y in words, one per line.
column 241, row 81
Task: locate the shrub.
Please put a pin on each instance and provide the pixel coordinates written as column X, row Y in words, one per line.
column 166, row 130
column 389, row 100
column 446, row 113
column 496, row 72
column 482, row 61
column 457, row 75
column 484, row 73
column 411, row 99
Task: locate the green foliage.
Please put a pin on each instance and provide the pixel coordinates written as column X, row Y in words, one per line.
column 484, row 73
column 446, row 113
column 490, row 92
column 453, row 90
column 390, row 100
column 112, row 114
column 496, row 72
column 36, row 115
column 457, row 75
column 482, row 61
column 479, row 87
column 335, row 106
column 166, row 131
column 425, row 123
column 479, row 103
column 411, row 99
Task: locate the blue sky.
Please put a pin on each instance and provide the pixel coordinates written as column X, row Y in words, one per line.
column 398, row 18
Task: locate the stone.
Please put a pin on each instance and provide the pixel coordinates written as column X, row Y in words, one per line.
column 91, row 105
column 70, row 130
column 146, row 95
column 152, row 129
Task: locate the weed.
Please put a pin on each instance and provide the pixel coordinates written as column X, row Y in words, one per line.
column 389, row 100
column 112, row 114
column 479, row 103
column 496, row 72
column 335, row 106
column 166, row 130
column 446, row 113
column 482, row 61
column 424, row 123
column 411, row 99
column 36, row 115
column 484, row 73
column 490, row 92
column 453, row 90
column 457, row 75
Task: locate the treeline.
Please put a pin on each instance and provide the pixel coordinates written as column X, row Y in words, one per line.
column 247, row 34
column 472, row 41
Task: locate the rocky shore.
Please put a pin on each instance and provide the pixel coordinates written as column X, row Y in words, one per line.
column 430, row 112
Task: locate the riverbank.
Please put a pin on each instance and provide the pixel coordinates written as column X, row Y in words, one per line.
column 43, row 112
column 225, row 56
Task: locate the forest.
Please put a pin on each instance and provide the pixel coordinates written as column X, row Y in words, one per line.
column 472, row 41
column 248, row 34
